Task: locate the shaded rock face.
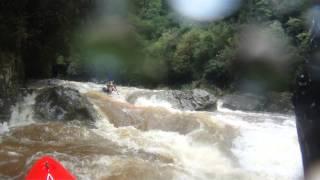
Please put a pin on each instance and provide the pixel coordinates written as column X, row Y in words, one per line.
column 306, row 100
column 5, row 104
column 11, row 75
column 63, row 104
column 193, row 100
column 271, row 102
column 244, row 102
column 279, row 102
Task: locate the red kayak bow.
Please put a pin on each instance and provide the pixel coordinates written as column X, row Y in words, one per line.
column 47, row 168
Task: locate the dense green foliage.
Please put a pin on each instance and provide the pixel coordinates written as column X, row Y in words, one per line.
column 146, row 42
column 207, row 52
column 170, row 52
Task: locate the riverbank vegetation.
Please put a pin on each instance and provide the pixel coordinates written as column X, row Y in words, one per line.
column 146, row 42
column 161, row 49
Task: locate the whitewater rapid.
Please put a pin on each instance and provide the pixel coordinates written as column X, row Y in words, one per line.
column 151, row 140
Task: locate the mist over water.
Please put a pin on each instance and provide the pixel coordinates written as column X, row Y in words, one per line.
column 150, row 140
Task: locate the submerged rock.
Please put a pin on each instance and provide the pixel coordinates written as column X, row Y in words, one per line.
column 63, row 104
column 192, row 100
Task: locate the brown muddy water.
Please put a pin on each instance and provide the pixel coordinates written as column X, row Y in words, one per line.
column 148, row 140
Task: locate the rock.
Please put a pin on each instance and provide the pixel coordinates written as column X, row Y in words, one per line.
column 279, row 103
column 63, row 104
column 243, row 102
column 271, row 102
column 10, row 77
column 4, row 110
column 6, row 105
column 196, row 99
column 193, row 100
column 1, row 103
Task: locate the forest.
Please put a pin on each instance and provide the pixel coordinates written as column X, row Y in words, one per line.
column 159, row 49
column 147, row 43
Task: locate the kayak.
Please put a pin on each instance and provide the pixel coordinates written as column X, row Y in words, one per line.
column 47, row 168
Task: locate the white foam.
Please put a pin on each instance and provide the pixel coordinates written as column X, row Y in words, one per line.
column 4, row 128
column 270, row 150
column 191, row 160
column 200, row 161
column 22, row 112
column 153, row 102
column 265, row 146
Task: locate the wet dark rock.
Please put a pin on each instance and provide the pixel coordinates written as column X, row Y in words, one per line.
column 271, row 102
column 10, row 81
column 244, row 102
column 5, row 109
column 196, row 99
column 193, row 100
column 279, row 103
column 63, row 104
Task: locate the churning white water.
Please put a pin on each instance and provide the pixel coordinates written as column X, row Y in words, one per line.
column 148, row 139
column 267, row 145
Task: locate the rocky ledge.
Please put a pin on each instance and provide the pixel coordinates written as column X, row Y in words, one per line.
column 63, row 104
column 193, row 100
column 271, row 102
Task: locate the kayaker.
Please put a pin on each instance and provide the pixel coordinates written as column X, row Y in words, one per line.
column 111, row 87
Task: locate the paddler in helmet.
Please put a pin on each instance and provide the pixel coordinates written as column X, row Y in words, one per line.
column 111, row 87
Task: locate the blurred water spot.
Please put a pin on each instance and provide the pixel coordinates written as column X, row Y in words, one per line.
column 205, row 10
column 266, row 55
column 267, row 43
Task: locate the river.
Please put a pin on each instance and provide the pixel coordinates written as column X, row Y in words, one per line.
column 150, row 140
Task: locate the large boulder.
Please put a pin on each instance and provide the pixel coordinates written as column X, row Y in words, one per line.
column 279, row 103
column 63, row 104
column 193, row 100
column 244, row 102
column 271, row 102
